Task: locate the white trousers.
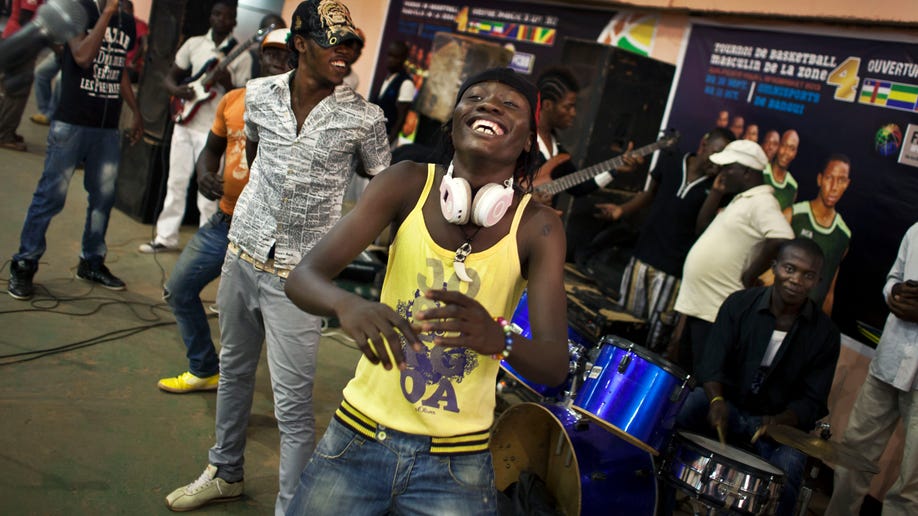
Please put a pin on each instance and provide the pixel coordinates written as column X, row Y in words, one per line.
column 186, row 145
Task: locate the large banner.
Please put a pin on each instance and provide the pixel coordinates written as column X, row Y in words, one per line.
column 534, row 34
column 844, row 95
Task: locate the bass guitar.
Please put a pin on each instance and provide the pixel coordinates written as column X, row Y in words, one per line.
column 202, row 83
column 545, row 184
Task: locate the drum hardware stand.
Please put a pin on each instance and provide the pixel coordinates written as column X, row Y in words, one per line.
column 806, row 492
column 570, row 452
column 803, row 500
column 574, row 367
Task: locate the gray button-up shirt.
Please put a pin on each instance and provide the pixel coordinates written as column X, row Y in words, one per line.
column 297, row 181
column 896, row 361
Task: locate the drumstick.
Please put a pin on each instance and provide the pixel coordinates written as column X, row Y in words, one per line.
column 720, row 434
column 758, row 433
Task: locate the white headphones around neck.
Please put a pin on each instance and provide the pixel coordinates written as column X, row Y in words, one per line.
column 486, row 209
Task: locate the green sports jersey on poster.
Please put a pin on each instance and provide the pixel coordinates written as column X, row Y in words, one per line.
column 785, row 191
column 833, row 241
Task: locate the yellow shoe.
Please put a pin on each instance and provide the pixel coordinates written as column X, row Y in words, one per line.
column 40, row 119
column 187, row 382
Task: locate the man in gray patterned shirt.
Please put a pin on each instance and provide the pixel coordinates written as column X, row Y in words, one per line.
column 305, row 134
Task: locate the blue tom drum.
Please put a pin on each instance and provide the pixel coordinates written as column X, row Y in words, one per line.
column 634, row 393
column 575, row 347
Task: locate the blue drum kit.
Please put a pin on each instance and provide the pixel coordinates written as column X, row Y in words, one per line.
column 604, row 440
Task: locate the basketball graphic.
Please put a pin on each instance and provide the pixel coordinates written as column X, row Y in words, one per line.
column 887, row 140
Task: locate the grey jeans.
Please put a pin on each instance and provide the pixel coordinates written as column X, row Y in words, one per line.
column 254, row 309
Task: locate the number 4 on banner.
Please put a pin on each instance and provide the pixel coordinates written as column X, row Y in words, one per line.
column 844, row 78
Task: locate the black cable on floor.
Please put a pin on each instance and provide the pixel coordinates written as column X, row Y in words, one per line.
column 105, row 337
column 50, row 303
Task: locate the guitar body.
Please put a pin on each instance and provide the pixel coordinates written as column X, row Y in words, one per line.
column 551, row 169
column 184, row 110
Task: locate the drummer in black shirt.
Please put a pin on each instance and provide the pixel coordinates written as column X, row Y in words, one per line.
column 769, row 359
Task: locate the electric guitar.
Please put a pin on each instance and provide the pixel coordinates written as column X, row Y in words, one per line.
column 202, row 83
column 543, row 182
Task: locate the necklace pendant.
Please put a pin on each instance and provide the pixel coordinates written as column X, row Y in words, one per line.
column 461, row 273
column 462, row 253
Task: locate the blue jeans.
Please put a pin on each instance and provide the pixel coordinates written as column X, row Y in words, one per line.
column 68, row 145
column 395, row 473
column 198, row 265
column 254, row 309
column 741, row 426
column 47, row 96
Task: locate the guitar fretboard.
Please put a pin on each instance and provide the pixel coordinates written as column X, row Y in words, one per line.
column 571, row 180
column 236, row 51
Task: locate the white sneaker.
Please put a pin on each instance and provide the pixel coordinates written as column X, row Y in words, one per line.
column 208, row 488
column 155, row 247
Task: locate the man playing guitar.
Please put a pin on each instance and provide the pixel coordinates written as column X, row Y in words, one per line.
column 188, row 137
column 558, row 89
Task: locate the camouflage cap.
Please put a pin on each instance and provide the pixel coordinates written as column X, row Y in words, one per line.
column 327, row 22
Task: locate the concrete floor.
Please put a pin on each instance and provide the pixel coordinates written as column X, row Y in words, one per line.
column 83, row 429
column 86, row 431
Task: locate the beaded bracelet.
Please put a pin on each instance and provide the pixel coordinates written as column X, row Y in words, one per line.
column 507, row 328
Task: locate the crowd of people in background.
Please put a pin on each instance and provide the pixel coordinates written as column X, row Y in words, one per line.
column 735, row 277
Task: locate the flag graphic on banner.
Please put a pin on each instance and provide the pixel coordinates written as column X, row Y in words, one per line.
column 902, row 96
column 505, row 30
column 888, row 94
column 874, row 92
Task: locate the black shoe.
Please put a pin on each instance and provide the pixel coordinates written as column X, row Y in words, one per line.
column 98, row 273
column 21, row 274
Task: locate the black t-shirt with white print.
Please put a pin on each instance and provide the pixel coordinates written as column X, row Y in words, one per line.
column 92, row 96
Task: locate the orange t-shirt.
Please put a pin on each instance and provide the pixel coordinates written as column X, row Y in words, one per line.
column 229, row 124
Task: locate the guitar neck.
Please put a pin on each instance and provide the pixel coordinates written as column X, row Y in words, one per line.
column 234, row 53
column 571, row 180
column 240, row 48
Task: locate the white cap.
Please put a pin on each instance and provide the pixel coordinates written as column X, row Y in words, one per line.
column 276, row 38
column 744, row 152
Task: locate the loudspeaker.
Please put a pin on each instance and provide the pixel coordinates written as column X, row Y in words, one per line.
column 141, row 182
column 453, row 59
column 166, row 17
column 622, row 98
column 143, row 170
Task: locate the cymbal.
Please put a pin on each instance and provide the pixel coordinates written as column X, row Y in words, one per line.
column 830, row 452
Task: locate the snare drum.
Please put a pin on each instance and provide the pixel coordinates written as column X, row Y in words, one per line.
column 722, row 476
column 586, row 469
column 634, row 392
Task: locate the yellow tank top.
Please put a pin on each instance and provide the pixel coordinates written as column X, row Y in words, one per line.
column 444, row 391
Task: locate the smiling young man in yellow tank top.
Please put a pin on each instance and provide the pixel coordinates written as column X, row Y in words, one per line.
column 414, row 437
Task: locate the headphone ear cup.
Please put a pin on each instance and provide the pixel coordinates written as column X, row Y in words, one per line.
column 490, row 204
column 455, row 197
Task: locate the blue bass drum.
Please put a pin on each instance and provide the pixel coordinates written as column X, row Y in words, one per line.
column 587, row 469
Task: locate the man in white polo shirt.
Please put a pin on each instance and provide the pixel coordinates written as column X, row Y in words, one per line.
column 190, row 135
column 738, row 245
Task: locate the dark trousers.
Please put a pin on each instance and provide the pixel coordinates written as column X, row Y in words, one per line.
column 691, row 345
